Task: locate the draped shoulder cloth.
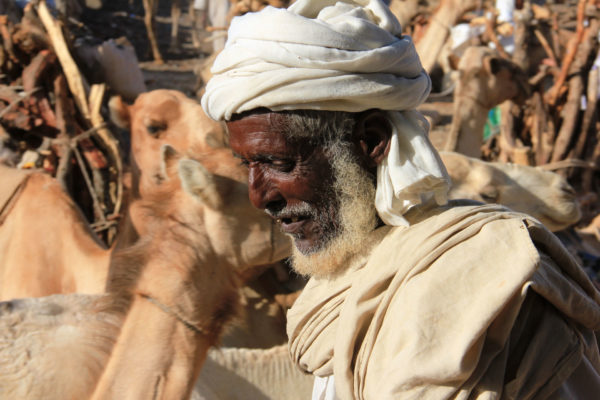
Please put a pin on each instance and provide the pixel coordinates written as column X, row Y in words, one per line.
column 347, row 55
column 459, row 305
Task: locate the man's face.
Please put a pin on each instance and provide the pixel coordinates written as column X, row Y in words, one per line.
column 292, row 182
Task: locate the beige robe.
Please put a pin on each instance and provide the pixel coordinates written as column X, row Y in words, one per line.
column 468, row 302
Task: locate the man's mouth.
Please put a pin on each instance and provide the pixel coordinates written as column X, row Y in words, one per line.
column 293, row 224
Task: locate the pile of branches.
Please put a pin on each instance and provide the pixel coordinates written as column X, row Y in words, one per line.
column 50, row 118
column 557, row 45
column 558, row 126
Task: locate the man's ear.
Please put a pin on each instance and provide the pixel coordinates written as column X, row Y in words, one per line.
column 372, row 135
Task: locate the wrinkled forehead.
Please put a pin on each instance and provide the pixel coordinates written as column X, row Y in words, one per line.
column 258, row 132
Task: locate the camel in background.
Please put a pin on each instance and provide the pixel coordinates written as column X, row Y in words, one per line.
column 46, row 245
column 485, row 80
column 179, row 279
column 545, row 195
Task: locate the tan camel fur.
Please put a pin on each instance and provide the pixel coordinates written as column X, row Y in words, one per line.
column 157, row 118
column 240, row 374
column 542, row 194
column 437, row 32
column 43, row 235
column 46, row 245
column 59, row 345
column 54, row 347
column 178, row 279
column 485, row 80
column 164, row 117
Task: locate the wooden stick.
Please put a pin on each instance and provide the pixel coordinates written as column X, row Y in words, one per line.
column 96, row 95
column 216, row 28
column 489, row 28
column 588, row 115
column 21, row 99
column 64, row 166
column 507, row 136
column 96, row 203
column 570, row 163
column 554, row 33
column 571, row 110
column 545, row 45
column 76, row 82
column 522, row 22
column 588, row 175
column 552, row 94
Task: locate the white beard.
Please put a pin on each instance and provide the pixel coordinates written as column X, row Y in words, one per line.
column 357, row 215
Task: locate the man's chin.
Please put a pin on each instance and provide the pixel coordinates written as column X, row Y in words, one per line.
column 327, row 261
column 306, row 246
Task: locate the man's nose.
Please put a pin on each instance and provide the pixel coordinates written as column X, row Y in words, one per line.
column 263, row 194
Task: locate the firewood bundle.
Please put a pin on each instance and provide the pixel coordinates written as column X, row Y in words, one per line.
column 50, row 118
column 558, row 125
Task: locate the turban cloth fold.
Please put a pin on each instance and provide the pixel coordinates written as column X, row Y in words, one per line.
column 337, row 56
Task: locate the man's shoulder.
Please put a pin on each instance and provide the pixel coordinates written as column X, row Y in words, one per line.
column 461, row 215
column 465, row 232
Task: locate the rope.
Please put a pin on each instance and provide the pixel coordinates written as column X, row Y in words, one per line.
column 173, row 313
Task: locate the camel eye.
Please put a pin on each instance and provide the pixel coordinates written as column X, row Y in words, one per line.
column 489, row 195
column 154, row 128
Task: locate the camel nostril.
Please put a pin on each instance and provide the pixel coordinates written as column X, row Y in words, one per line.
column 568, row 189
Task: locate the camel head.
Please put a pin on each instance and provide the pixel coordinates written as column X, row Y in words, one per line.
column 485, row 80
column 199, row 191
column 542, row 194
column 201, row 230
column 485, row 76
column 163, row 117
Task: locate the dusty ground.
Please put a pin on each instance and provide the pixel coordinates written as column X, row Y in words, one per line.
column 118, row 19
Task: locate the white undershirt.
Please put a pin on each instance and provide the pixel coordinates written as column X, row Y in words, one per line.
column 324, row 388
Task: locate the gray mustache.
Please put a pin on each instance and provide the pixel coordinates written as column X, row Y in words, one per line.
column 294, row 210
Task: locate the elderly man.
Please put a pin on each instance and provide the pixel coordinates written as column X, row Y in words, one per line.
column 410, row 297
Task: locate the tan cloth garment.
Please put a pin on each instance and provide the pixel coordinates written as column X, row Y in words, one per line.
column 444, row 309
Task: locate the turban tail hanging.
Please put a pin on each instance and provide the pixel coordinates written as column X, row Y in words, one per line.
column 336, row 56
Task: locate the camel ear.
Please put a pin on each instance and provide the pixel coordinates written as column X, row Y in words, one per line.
column 453, row 61
column 198, row 182
column 119, row 112
column 492, row 65
column 168, row 157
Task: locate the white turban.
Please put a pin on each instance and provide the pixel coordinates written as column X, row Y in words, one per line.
column 338, row 56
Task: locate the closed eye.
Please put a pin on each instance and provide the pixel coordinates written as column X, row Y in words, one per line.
column 282, row 165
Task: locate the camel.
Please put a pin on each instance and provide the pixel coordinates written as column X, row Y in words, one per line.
column 44, row 236
column 485, row 81
column 179, row 279
column 46, row 244
column 542, row 194
column 157, row 118
column 164, row 117
column 224, row 366
column 238, row 374
column 68, row 340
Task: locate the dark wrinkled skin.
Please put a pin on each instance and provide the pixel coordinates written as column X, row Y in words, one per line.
column 283, row 176
column 293, row 182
